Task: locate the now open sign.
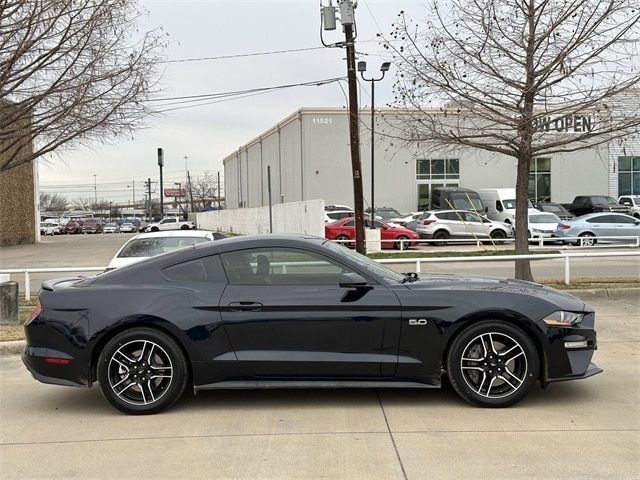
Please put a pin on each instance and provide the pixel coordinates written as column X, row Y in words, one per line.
column 564, row 124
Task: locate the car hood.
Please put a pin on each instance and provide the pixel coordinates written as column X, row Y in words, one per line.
column 562, row 300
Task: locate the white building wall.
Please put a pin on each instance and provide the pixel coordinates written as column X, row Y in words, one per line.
column 310, row 158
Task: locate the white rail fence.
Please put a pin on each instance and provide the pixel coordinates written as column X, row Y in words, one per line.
column 417, row 262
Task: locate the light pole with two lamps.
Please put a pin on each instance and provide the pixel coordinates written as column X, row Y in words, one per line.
column 362, row 67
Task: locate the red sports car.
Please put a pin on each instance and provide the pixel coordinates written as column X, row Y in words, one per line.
column 392, row 237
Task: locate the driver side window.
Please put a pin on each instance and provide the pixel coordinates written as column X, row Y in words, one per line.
column 280, row 266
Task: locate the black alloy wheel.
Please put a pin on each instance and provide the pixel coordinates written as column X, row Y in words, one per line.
column 401, row 242
column 142, row 371
column 492, row 364
column 441, row 235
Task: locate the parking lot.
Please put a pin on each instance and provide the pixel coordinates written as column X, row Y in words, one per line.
column 97, row 251
column 583, row 429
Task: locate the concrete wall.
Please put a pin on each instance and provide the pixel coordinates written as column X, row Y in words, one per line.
column 297, row 217
column 310, row 158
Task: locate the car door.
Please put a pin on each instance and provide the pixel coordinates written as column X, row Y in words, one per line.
column 286, row 316
column 475, row 225
column 627, row 226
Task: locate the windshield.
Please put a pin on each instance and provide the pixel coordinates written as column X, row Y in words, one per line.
column 366, row 263
column 511, row 204
column 150, row 247
column 463, row 201
column 544, row 218
column 603, row 201
column 553, row 208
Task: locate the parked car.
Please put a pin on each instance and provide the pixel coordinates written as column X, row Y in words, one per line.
column 92, row 225
column 58, row 228
column 333, row 215
column 391, row 237
column 332, row 208
column 71, row 228
column 444, row 224
column 542, row 224
column 584, row 204
column 456, row 198
column 555, row 208
column 145, row 245
column 385, row 213
column 408, row 221
column 500, row 204
column 632, row 202
column 128, row 227
column 589, row 227
column 229, row 314
column 47, row 228
column 111, row 228
column 169, row 223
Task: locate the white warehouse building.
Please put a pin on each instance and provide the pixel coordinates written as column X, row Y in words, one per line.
column 309, row 156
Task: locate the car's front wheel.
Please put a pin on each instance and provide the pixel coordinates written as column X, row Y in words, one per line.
column 155, row 229
column 498, row 236
column 142, row 371
column 492, row 364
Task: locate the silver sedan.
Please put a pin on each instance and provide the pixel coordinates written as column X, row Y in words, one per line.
column 588, row 227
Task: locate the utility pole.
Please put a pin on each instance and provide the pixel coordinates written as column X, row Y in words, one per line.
column 149, row 198
column 161, row 164
column 133, row 190
column 95, row 190
column 219, row 190
column 347, row 18
column 190, row 190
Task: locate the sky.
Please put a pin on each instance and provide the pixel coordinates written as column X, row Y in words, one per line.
column 207, row 134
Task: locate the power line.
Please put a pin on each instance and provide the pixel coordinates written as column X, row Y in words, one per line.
column 241, row 55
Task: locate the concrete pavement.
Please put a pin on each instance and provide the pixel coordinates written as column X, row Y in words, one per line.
column 583, row 429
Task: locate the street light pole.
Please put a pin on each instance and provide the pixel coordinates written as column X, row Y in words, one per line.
column 362, row 67
column 161, row 164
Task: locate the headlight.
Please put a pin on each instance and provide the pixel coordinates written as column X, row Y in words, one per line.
column 563, row 319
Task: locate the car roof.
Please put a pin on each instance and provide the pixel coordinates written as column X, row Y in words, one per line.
column 599, row 214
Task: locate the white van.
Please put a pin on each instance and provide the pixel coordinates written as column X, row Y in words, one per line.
column 500, row 204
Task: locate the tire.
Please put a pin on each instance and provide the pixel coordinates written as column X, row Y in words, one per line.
column 155, row 229
column 587, row 239
column 441, row 235
column 498, row 236
column 343, row 239
column 637, row 215
column 402, row 239
column 184, row 227
column 491, row 381
column 148, row 351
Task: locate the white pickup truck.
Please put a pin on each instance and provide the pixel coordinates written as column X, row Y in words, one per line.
column 169, row 224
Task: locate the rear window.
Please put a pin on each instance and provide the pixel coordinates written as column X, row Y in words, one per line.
column 150, row 247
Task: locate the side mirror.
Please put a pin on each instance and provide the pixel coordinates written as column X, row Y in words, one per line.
column 486, row 209
column 352, row 280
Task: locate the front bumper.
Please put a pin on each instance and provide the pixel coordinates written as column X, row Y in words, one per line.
column 592, row 370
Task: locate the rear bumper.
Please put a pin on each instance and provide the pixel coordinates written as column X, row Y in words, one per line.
column 35, row 360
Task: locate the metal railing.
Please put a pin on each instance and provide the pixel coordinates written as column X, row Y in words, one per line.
column 417, row 262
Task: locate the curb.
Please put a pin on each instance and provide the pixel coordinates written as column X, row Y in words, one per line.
column 16, row 347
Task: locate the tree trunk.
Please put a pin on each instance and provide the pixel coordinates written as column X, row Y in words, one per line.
column 523, row 267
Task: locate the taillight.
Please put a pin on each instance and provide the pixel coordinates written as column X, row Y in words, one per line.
column 428, row 222
column 563, row 226
column 58, row 361
column 36, row 311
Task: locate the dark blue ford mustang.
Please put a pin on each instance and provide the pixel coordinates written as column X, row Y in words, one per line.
column 293, row 312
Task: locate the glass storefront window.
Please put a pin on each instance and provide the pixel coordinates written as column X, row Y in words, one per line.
column 438, row 169
column 629, row 175
column 540, row 179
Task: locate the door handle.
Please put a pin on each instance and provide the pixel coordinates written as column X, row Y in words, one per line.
column 245, row 306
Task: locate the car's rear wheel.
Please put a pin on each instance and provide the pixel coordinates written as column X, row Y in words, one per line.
column 441, row 235
column 142, row 371
column 155, row 229
column 401, row 243
column 586, row 239
column 184, row 227
column 343, row 239
column 492, row 364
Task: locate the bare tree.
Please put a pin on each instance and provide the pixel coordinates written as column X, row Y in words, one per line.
column 82, row 203
column 72, row 71
column 205, row 188
column 522, row 78
column 53, row 202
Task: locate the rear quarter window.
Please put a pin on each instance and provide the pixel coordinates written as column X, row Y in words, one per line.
column 205, row 269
